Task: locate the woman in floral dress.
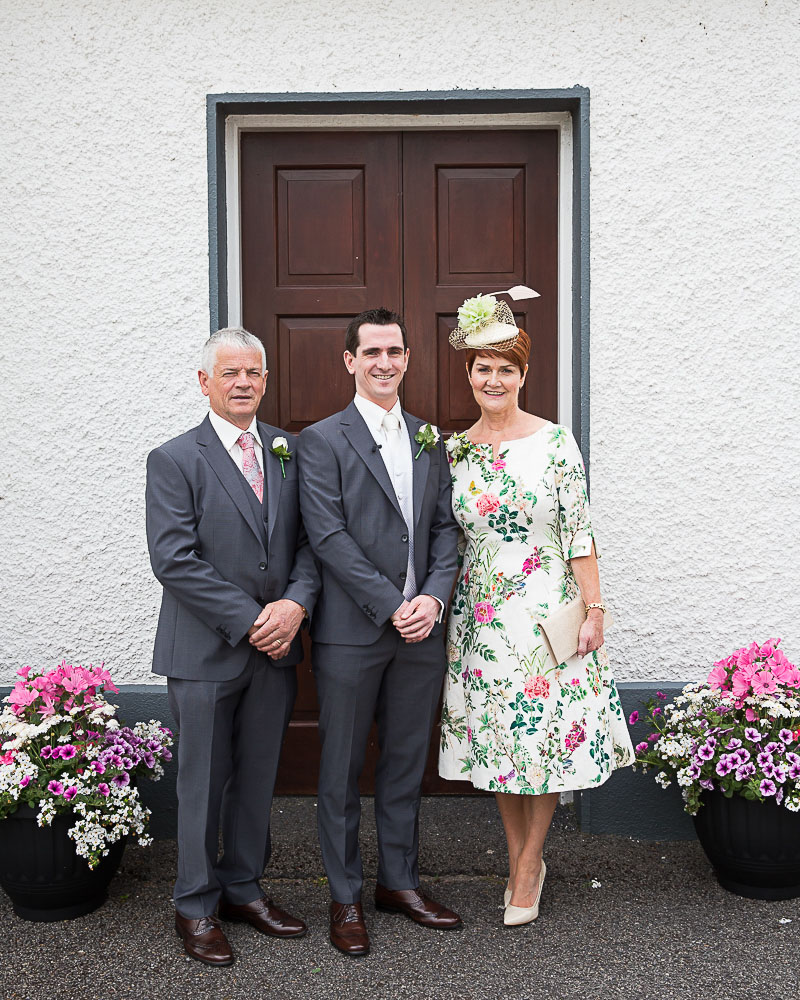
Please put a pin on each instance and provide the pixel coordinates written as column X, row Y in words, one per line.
column 514, row 722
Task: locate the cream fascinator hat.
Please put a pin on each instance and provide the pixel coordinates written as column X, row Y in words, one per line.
column 483, row 322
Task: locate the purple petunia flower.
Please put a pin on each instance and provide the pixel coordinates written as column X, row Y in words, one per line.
column 149, row 760
column 103, row 789
column 705, row 752
column 707, row 784
column 67, row 752
column 764, row 758
column 768, row 770
column 779, row 796
column 694, row 770
column 745, row 771
column 767, row 787
column 711, row 742
column 121, row 780
column 55, row 787
column 25, row 781
column 725, row 765
column 773, row 747
column 661, row 695
column 166, row 755
column 793, row 758
column 794, row 772
column 785, row 736
column 753, row 735
column 633, row 718
column 641, row 747
column 734, row 744
column 70, row 793
column 742, row 755
column 779, row 775
column 46, row 753
column 657, row 711
column 654, row 737
column 99, row 767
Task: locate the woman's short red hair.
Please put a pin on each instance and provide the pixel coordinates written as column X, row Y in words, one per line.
column 518, row 354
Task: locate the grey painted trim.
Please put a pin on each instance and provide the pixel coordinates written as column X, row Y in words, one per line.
column 572, row 99
column 629, row 804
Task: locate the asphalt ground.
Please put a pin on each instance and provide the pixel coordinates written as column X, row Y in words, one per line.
column 619, row 919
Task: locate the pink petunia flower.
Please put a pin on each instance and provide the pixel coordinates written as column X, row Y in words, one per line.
column 25, row 781
column 103, row 789
column 718, row 678
column 55, row 787
column 70, row 793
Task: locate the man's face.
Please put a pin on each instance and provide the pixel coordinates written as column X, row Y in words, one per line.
column 236, row 386
column 379, row 363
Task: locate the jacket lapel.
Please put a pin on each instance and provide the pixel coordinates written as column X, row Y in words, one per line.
column 225, row 470
column 420, row 466
column 273, row 480
column 357, row 433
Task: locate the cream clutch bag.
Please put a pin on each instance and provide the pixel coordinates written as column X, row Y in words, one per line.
column 560, row 630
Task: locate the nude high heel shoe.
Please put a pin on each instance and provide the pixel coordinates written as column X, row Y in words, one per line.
column 516, row 915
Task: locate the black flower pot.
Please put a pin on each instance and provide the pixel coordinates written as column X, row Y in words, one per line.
column 753, row 846
column 43, row 875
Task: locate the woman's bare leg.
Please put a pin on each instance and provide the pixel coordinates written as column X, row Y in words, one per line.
column 526, row 820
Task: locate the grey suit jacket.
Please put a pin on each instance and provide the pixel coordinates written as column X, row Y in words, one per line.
column 357, row 530
column 218, row 561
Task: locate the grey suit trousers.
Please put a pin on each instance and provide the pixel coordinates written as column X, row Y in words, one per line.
column 230, row 736
column 397, row 684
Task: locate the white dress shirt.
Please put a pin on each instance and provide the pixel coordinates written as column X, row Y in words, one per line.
column 395, row 449
column 229, row 434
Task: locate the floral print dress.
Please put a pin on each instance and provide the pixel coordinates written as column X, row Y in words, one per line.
column 513, row 721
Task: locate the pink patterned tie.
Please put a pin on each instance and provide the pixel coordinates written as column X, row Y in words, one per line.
column 250, row 467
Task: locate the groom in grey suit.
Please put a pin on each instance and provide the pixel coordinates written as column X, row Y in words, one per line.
column 376, row 503
column 227, row 543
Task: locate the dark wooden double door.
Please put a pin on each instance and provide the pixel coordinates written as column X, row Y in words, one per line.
column 336, row 222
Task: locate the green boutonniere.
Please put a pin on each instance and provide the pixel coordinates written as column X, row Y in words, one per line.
column 280, row 449
column 426, row 437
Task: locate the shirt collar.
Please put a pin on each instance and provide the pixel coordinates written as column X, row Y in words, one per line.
column 373, row 414
column 229, row 433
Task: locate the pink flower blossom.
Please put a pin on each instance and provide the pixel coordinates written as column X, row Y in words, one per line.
column 25, row 781
column 55, row 787
column 469, row 734
column 537, row 687
column 477, row 672
column 70, row 793
column 633, row 718
column 103, row 789
column 484, row 612
column 487, row 503
column 750, row 715
column 764, row 682
column 499, row 464
column 718, row 677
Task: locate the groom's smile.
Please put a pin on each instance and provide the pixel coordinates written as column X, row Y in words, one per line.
column 379, row 364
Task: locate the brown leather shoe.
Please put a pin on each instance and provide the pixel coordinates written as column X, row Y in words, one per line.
column 348, row 930
column 264, row 916
column 416, row 905
column 204, row 940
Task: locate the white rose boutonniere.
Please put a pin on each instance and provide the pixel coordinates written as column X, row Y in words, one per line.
column 457, row 446
column 426, row 437
column 280, row 448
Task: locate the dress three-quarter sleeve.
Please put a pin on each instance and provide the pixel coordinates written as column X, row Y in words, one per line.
column 574, row 521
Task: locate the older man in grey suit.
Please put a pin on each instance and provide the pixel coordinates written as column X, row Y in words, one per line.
column 375, row 495
column 227, row 543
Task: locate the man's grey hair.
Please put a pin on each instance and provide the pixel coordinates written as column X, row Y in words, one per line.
column 230, row 336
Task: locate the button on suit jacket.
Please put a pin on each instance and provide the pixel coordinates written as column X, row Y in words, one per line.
column 219, row 555
column 357, row 530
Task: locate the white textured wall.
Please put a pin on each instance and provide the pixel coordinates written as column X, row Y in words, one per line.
column 103, row 261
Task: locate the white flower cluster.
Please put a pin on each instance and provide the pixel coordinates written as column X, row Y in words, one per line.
column 122, row 815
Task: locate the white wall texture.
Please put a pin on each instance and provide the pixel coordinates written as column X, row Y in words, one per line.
column 694, row 268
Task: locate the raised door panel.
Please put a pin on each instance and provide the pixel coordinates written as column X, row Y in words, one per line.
column 480, row 214
column 320, row 242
